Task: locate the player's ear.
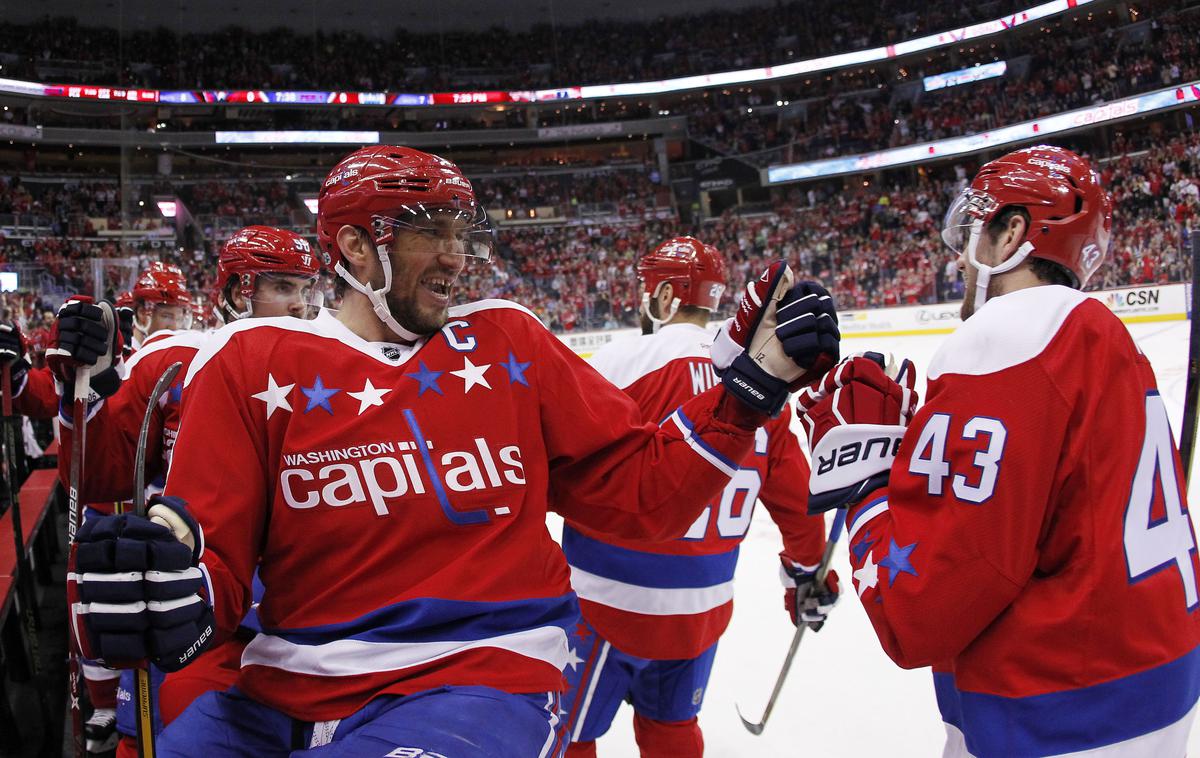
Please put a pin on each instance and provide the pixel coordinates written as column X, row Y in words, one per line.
column 666, row 294
column 355, row 247
column 1014, row 235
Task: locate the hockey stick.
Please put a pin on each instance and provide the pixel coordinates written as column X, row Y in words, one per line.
column 835, row 533
column 145, row 710
column 1187, row 435
column 79, row 420
column 26, row 590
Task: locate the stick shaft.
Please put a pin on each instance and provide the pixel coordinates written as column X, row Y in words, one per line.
column 145, row 701
column 835, row 534
column 1187, row 434
column 74, row 486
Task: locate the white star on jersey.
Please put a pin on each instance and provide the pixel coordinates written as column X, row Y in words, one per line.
column 368, row 397
column 573, row 658
column 867, row 576
column 275, row 396
column 472, row 374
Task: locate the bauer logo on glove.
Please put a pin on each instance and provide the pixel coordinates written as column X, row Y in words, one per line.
column 783, row 337
column 135, row 591
column 855, row 418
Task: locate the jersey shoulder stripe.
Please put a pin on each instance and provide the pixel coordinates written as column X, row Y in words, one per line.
column 191, row 340
column 324, row 326
column 478, row 306
column 625, row 361
column 1007, row 331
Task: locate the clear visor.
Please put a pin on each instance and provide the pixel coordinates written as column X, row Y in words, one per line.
column 277, row 294
column 970, row 206
column 173, row 316
column 463, row 231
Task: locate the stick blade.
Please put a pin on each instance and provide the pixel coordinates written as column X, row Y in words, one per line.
column 750, row 727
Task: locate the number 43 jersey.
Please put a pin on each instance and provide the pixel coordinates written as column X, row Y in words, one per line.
column 672, row 599
column 393, row 498
column 1034, row 544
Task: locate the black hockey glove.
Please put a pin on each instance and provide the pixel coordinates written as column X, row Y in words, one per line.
column 86, row 334
column 135, row 591
column 12, row 352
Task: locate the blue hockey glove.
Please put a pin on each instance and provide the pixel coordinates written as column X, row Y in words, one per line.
column 783, row 337
column 136, row 594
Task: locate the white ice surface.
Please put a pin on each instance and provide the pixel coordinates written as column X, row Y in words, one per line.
column 844, row 697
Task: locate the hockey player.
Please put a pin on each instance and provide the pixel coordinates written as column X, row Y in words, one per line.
column 160, row 302
column 261, row 271
column 654, row 610
column 1031, row 539
column 389, row 470
column 34, row 394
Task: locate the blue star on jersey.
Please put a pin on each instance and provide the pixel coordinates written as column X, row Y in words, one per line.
column 426, row 378
column 318, row 396
column 863, row 546
column 175, row 394
column 897, row 561
column 516, row 370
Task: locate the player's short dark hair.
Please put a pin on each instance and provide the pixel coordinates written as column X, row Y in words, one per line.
column 1053, row 273
column 227, row 290
column 1047, row 271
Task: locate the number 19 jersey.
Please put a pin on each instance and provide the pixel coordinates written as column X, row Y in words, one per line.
column 672, row 599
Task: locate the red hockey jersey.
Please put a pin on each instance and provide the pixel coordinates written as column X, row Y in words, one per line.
column 672, row 600
column 37, row 394
column 114, row 423
column 397, row 495
column 1034, row 544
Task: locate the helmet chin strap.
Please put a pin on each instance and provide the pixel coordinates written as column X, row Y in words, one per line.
column 658, row 322
column 984, row 272
column 376, row 297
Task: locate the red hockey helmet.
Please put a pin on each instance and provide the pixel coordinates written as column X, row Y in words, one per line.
column 695, row 271
column 257, row 250
column 1070, row 214
column 161, row 284
column 386, row 187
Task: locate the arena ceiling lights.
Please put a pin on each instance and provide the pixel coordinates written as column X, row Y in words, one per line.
column 629, row 89
column 1026, row 131
column 310, row 137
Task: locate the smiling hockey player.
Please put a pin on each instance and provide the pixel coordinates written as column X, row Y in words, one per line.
column 389, row 470
column 262, row 271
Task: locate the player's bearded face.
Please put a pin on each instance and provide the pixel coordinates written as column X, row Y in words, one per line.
column 988, row 253
column 425, row 267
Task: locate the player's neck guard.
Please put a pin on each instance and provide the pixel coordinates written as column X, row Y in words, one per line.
column 376, row 297
column 984, row 272
column 657, row 323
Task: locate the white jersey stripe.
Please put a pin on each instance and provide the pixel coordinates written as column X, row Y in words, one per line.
column 587, row 700
column 352, row 657
column 864, row 517
column 650, row 601
column 721, row 465
column 552, row 709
